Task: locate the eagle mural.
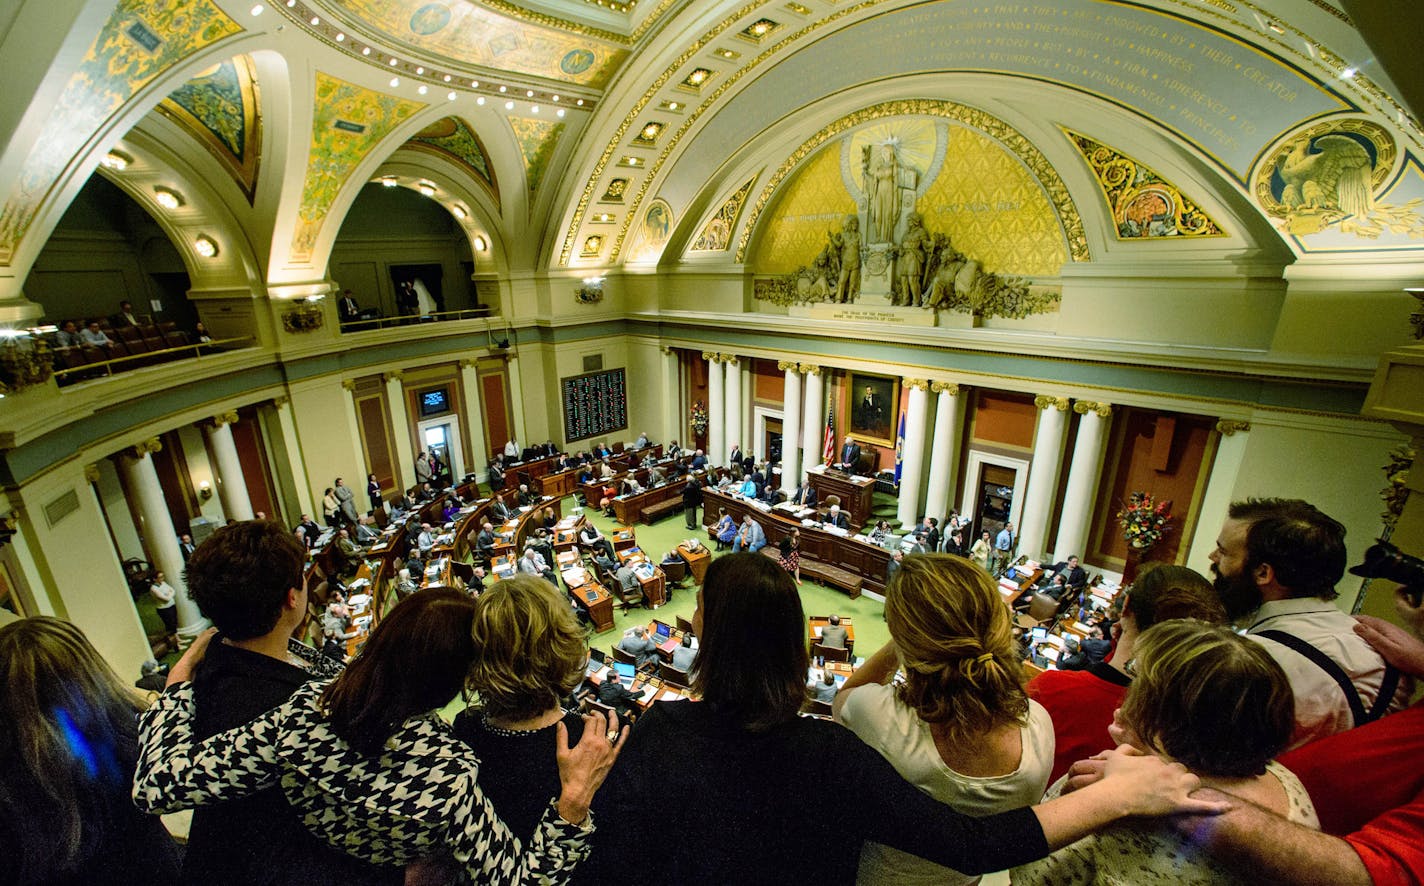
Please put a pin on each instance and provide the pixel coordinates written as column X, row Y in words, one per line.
column 1333, row 173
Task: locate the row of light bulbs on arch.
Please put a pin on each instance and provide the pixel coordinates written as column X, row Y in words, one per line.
column 423, row 88
column 168, row 198
column 428, row 189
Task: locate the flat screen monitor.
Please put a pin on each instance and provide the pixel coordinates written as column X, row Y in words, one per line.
column 434, row 401
column 625, row 670
column 597, row 655
column 1039, row 634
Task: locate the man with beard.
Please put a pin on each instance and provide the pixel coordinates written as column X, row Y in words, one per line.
column 1275, row 566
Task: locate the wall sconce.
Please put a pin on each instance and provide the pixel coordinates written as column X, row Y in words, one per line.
column 480, row 243
column 205, row 490
column 167, row 198
column 591, row 292
column 205, row 246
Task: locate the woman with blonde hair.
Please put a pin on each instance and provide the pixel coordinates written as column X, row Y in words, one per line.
column 530, row 654
column 960, row 728
column 67, row 755
column 1217, row 703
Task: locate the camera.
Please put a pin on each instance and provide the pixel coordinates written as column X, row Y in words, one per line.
column 1384, row 560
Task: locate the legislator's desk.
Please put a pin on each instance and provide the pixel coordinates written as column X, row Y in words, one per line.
column 697, row 561
column 559, row 483
column 651, row 688
column 817, row 623
column 654, row 584
column 591, row 597
column 856, row 493
column 629, row 509
column 856, row 555
column 665, row 646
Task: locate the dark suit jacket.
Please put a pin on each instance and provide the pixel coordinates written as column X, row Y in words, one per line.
column 1077, row 576
column 616, row 697
column 735, row 457
column 805, row 495
column 850, row 454
column 842, row 520
column 500, row 510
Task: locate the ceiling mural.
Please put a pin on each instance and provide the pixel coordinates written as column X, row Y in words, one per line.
column 653, row 233
column 537, row 140
column 141, row 40
column 469, row 34
column 1337, row 178
column 999, row 199
column 1143, row 205
column 716, row 234
column 452, row 137
column 219, row 107
column 349, row 121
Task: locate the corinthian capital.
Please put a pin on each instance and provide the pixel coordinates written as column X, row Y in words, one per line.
column 1083, row 407
column 945, row 387
column 1229, row 426
column 1044, row 401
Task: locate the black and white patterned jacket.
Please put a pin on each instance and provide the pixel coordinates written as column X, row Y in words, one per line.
column 418, row 799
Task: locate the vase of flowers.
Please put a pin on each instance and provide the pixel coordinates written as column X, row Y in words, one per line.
column 1144, row 523
column 699, row 419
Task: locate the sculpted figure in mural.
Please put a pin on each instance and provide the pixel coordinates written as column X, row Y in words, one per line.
column 1337, row 176
column 948, row 267
column 910, row 262
column 884, row 177
column 847, row 244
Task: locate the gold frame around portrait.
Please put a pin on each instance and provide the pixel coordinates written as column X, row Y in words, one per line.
column 884, row 384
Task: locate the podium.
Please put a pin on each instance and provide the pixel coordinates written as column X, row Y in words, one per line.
column 856, row 493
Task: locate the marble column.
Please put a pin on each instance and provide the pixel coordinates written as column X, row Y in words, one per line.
column 291, row 450
column 474, row 418
column 160, row 539
column 790, row 426
column 1235, row 436
column 942, row 454
column 813, row 419
column 232, row 486
column 1043, row 475
column 516, row 396
column 716, row 410
column 404, row 468
column 913, row 452
column 674, row 413
column 732, row 390
column 1083, row 473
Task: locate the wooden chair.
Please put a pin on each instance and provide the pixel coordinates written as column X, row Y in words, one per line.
column 829, row 653
column 684, row 625
column 670, row 674
column 624, row 656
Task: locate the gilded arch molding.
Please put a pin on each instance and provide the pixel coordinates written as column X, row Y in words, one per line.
column 1013, row 140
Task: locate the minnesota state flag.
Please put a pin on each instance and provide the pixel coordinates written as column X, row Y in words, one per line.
column 900, row 449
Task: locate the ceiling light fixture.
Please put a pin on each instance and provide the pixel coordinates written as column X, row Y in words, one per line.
column 459, row 212
column 450, row 95
column 504, row 89
column 533, row 109
column 560, row 112
column 422, row 90
column 479, row 243
column 509, row 106
column 529, row 93
column 394, row 62
column 167, row 198
column 258, row 10
column 479, row 100
column 447, row 78
column 580, row 103
column 340, row 37
column 389, row 181
column 205, row 246
column 116, row 160
column 1349, row 73
column 475, row 84
column 556, row 98
column 420, row 69
column 395, row 81
column 366, row 51
column 426, row 188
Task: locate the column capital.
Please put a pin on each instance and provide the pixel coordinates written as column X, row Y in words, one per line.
column 729, row 358
column 945, row 387
column 810, row 369
column 91, row 473
column 1102, row 410
column 667, row 349
column 712, row 356
column 916, row 384
column 391, row 375
column 1229, row 426
column 144, row 447
column 281, row 401
column 468, row 362
column 222, row 418
column 1045, row 401
column 788, row 366
column 349, row 384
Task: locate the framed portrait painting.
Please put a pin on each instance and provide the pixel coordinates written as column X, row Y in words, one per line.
column 874, row 406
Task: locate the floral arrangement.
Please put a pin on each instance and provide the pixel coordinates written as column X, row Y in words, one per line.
column 1144, row 521
column 699, row 418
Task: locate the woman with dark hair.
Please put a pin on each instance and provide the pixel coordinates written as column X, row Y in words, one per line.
column 791, row 554
column 369, row 764
column 762, row 776
column 67, row 753
column 330, row 507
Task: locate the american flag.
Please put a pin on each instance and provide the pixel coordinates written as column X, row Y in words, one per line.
column 828, row 449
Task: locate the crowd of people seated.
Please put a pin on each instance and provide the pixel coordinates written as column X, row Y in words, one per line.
column 1282, row 751
column 126, row 334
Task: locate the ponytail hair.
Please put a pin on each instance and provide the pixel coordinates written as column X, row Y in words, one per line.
column 955, row 639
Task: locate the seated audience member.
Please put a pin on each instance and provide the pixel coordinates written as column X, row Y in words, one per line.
column 527, row 498
column 880, row 533
column 605, row 560
column 68, row 335
column 69, row 750
column 954, row 542
column 1074, row 576
column 153, row 677
column 837, row 518
column 312, row 530
column 750, row 536
column 1089, row 651
column 366, row 534
column 405, row 585
column 725, row 530
column 823, row 689
column 611, row 693
column 748, row 488
column 350, row 551
column 547, row 519
column 529, row 653
column 500, row 511
column 532, row 563
column 637, row 644
column 674, row 450
column 656, row 476
column 1368, row 789
column 1218, row 703
column 376, row 734
column 1276, row 564
column 960, row 727
column 93, row 336
column 647, row 462
column 641, row 441
column 451, row 509
column 590, row 537
column 247, row 579
column 585, row 475
column 1081, row 703
column 683, row 654
column 834, row 634
column 485, row 540
column 699, row 460
column 426, row 539
column 758, row 770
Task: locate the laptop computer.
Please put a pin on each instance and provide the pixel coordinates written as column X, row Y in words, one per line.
column 625, row 670
column 663, row 631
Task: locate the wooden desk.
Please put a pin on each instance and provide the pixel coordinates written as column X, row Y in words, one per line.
column 594, row 599
column 642, row 683
column 559, row 483
column 817, row 545
column 821, row 621
column 856, row 493
column 673, row 641
column 697, row 561
column 654, row 586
